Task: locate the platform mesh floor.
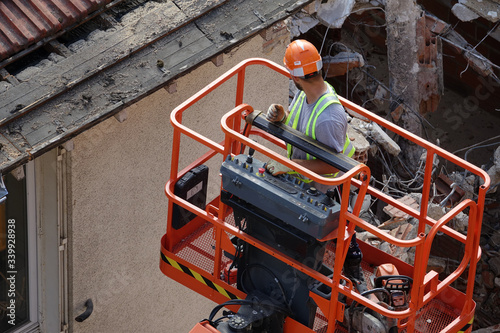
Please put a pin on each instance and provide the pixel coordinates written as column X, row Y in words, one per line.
column 199, row 249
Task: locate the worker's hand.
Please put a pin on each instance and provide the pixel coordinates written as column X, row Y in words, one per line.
column 275, row 113
column 276, row 168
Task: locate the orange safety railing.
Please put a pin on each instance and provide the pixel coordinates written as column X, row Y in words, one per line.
column 427, row 286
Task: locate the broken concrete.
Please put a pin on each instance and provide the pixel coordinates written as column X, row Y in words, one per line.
column 476, row 60
column 466, row 183
column 358, row 140
column 341, row 63
column 494, row 171
column 402, row 43
column 488, row 9
column 464, row 13
column 383, row 139
column 333, row 13
column 301, row 23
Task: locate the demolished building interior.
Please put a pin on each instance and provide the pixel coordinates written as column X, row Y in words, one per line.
column 430, row 66
column 450, row 99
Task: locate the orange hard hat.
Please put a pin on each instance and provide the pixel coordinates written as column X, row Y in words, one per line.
column 302, row 58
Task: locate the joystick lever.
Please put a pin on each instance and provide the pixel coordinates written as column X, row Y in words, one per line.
column 251, row 151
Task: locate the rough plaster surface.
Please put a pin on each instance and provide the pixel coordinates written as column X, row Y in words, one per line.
column 119, row 208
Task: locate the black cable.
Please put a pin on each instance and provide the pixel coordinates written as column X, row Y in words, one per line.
column 230, row 302
column 270, row 273
column 216, row 321
column 236, row 256
column 474, row 148
column 242, row 302
column 244, row 133
column 477, row 147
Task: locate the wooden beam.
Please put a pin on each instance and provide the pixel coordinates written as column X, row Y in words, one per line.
column 116, row 87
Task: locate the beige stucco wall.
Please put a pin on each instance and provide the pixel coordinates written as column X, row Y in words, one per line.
column 119, row 208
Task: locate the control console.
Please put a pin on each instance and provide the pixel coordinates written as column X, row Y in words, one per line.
column 285, row 197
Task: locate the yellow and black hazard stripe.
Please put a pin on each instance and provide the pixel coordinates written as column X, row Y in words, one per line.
column 198, row 277
column 466, row 327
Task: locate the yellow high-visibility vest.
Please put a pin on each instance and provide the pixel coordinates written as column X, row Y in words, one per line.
column 325, row 101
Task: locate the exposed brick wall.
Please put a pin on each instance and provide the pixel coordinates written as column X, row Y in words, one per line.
column 274, row 35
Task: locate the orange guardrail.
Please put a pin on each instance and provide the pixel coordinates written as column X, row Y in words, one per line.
column 427, row 285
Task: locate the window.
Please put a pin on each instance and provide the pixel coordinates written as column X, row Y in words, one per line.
column 17, row 258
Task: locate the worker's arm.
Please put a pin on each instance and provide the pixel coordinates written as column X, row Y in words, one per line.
column 276, row 113
column 317, row 166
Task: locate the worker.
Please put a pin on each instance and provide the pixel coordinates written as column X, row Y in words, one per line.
column 316, row 111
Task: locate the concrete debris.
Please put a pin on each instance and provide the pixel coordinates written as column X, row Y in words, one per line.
column 375, row 133
column 301, row 23
column 494, row 171
column 466, row 184
column 435, row 211
column 386, row 247
column 358, row 140
column 464, row 13
column 476, row 60
column 460, row 222
column 379, row 136
column 488, row 9
column 341, row 63
column 333, row 13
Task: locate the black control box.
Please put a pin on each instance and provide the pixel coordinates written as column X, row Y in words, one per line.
column 286, row 197
column 192, row 187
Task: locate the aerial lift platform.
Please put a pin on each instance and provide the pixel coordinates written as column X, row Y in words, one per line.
column 270, row 250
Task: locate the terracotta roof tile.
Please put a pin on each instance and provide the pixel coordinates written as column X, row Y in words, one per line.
column 24, row 23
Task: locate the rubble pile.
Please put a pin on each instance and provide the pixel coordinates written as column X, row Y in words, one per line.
column 447, row 191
